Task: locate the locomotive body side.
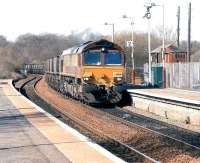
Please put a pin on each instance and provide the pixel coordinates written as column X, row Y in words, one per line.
column 71, row 65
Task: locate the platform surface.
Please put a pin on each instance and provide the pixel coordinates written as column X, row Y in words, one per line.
column 29, row 134
column 172, row 94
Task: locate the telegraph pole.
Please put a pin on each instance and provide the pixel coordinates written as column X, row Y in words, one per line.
column 189, row 34
column 178, row 26
column 132, row 46
column 163, row 49
column 189, row 43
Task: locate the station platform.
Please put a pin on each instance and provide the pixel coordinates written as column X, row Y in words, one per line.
column 175, row 104
column 29, row 134
column 187, row 96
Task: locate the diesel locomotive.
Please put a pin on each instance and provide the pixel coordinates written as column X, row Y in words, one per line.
column 92, row 72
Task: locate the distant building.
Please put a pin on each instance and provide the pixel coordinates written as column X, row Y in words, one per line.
column 196, row 56
column 172, row 54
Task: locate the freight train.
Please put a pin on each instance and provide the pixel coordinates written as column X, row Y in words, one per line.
column 26, row 69
column 92, row 72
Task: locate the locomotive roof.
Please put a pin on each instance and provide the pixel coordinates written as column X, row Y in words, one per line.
column 91, row 44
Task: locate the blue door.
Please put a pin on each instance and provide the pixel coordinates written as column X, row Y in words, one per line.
column 157, row 76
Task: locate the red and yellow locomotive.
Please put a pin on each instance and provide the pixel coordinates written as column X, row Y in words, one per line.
column 92, row 72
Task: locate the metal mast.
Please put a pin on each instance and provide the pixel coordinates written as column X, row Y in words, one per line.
column 189, row 34
column 178, row 26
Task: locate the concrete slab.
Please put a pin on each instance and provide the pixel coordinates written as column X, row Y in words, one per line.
column 172, row 94
column 20, row 141
column 180, row 113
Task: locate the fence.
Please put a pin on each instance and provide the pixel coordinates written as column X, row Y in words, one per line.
column 183, row 75
column 180, row 75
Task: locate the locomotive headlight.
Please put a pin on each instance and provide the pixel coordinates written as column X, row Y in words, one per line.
column 119, row 78
column 86, row 78
column 104, row 50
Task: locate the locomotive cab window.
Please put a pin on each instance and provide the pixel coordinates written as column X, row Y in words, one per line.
column 112, row 58
column 92, row 58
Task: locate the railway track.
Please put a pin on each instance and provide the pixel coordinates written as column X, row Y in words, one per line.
column 120, row 149
column 123, row 150
column 131, row 150
column 19, row 84
column 174, row 132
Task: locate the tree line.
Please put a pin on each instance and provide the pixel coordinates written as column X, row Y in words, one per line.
column 30, row 48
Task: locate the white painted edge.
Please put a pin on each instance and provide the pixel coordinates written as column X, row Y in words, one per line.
column 73, row 131
column 185, row 90
column 164, row 97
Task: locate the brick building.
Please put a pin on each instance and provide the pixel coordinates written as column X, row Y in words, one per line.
column 172, row 54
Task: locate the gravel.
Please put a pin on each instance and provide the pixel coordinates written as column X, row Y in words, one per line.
column 153, row 145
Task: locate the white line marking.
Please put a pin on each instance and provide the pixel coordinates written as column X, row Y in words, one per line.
column 166, row 97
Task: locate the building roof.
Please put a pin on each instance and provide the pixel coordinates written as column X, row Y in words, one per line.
column 170, row 48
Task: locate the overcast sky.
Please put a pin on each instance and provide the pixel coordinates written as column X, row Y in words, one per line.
column 63, row 16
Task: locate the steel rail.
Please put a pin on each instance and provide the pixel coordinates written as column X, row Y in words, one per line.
column 158, row 133
column 121, row 120
column 128, row 123
column 65, row 114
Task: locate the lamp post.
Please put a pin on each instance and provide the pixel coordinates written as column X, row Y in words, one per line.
column 132, row 45
column 113, row 30
column 148, row 16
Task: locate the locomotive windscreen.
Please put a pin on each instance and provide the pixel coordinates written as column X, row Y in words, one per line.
column 92, row 58
column 112, row 58
column 108, row 58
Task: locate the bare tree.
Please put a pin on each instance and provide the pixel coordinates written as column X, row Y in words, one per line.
column 170, row 34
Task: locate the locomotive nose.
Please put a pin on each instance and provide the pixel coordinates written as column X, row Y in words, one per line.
column 107, row 76
column 103, row 80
